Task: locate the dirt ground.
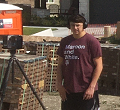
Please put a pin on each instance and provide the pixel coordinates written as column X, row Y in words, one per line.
column 52, row 101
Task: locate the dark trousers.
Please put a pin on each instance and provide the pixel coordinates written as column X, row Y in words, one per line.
column 75, row 102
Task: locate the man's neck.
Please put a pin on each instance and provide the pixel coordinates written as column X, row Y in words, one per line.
column 77, row 36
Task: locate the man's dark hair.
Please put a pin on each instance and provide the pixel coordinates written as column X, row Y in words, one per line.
column 77, row 19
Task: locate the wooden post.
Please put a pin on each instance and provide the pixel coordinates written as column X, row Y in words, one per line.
column 107, row 31
column 118, row 30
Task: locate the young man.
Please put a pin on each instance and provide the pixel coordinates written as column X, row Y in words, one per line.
column 79, row 67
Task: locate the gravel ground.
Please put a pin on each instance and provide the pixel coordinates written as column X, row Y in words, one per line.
column 52, row 101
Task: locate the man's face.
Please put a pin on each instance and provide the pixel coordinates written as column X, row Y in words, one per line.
column 76, row 28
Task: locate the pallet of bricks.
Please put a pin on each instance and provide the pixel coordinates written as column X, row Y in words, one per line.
column 18, row 95
column 51, row 75
column 109, row 82
column 49, row 50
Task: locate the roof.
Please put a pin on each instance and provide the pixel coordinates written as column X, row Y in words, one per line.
column 4, row 6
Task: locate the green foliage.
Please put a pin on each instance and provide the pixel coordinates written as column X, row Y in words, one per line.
column 49, row 21
column 26, row 18
column 112, row 39
column 29, row 31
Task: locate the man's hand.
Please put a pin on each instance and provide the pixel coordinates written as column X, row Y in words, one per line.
column 89, row 93
column 62, row 91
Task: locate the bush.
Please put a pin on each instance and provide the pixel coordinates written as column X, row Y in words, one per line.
column 49, row 21
column 112, row 39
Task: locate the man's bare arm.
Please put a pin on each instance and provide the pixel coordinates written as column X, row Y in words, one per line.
column 98, row 69
column 62, row 91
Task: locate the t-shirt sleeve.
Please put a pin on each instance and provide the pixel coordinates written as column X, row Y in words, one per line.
column 60, row 49
column 95, row 48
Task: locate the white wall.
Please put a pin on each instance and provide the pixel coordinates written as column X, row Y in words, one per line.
column 55, row 2
column 84, row 8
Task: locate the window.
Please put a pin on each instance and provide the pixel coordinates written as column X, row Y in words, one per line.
column 49, row 1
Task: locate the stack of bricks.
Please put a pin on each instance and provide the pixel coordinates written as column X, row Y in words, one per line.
column 36, row 48
column 42, row 49
column 49, row 50
column 18, row 95
column 109, row 82
column 31, row 47
column 51, row 75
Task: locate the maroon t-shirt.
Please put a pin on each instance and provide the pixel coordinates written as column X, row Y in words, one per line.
column 78, row 57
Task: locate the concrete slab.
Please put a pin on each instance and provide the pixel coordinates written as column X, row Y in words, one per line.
column 47, row 32
column 64, row 31
column 61, row 32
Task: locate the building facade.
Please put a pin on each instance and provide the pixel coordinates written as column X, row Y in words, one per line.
column 29, row 2
column 95, row 11
column 49, row 2
column 82, row 6
column 33, row 2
